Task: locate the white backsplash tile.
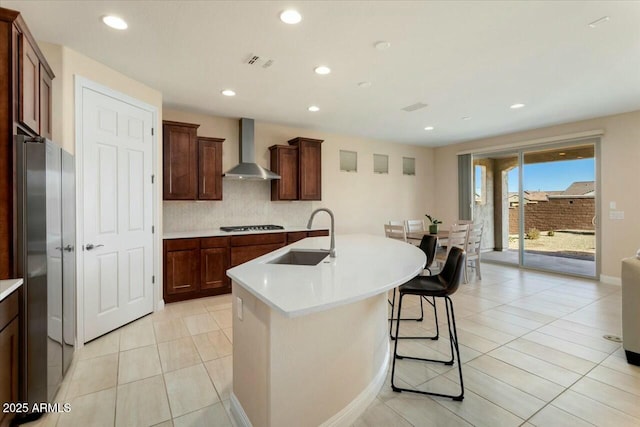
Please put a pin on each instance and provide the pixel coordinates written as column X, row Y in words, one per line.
column 244, row 203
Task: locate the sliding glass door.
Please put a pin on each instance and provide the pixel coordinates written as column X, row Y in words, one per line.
column 539, row 207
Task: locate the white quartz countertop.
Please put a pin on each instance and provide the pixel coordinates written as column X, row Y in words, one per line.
column 8, row 286
column 220, row 233
column 364, row 266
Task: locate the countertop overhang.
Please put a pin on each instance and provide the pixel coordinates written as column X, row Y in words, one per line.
column 365, row 266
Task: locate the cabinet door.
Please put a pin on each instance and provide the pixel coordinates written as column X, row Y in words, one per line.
column 29, row 108
column 214, row 263
column 45, row 103
column 181, row 267
column 310, row 168
column 210, row 168
column 180, row 162
column 8, row 368
column 284, row 162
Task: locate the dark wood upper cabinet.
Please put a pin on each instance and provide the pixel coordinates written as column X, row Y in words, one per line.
column 180, row 160
column 29, row 85
column 210, row 168
column 310, row 168
column 181, row 267
column 284, row 162
column 45, row 102
column 299, row 165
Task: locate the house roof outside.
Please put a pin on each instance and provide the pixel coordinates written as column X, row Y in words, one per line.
column 576, row 189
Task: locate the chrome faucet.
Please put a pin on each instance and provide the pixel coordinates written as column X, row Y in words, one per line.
column 332, row 249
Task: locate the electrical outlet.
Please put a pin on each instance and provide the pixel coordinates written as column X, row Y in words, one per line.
column 239, row 308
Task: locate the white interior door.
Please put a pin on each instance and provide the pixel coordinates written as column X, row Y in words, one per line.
column 117, row 161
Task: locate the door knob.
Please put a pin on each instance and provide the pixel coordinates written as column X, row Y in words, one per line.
column 90, row 246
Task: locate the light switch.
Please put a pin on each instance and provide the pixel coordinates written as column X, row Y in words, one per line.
column 612, row 205
column 239, row 308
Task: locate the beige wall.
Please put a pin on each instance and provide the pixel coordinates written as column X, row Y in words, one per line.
column 361, row 201
column 66, row 64
column 620, row 157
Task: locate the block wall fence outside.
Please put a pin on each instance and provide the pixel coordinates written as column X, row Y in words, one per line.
column 556, row 214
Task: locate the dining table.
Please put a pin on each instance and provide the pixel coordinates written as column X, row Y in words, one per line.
column 417, row 235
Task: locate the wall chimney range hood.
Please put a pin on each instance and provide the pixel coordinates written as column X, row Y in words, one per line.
column 248, row 168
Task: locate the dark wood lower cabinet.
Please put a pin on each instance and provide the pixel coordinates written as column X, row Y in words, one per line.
column 8, row 354
column 195, row 268
column 181, row 268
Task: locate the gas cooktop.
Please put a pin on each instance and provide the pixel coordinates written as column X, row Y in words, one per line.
column 252, row 227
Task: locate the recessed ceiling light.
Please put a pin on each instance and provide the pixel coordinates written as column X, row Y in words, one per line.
column 364, row 84
column 322, row 69
column 466, row 118
column 382, row 45
column 599, row 21
column 313, row 108
column 228, row 92
column 290, row 16
column 115, row 22
column 516, row 106
column 562, row 154
column 429, row 128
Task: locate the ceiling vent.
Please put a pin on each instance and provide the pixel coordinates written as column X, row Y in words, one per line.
column 255, row 60
column 414, row 107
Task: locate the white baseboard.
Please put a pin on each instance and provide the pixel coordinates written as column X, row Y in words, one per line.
column 346, row 417
column 610, row 280
column 238, row 416
column 350, row 413
column 160, row 305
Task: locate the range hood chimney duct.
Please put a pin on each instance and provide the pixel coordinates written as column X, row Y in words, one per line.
column 248, row 168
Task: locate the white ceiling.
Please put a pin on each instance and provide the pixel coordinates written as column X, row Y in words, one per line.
column 467, row 58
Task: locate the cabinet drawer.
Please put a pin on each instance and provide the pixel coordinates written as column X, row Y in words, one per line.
column 8, row 309
column 214, row 242
column 258, row 239
column 318, row 233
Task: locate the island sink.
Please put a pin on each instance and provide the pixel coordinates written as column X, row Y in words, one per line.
column 301, row 257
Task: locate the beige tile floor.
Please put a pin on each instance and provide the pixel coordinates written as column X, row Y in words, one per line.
column 531, row 346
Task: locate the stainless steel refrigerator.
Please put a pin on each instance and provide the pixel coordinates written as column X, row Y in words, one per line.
column 45, row 189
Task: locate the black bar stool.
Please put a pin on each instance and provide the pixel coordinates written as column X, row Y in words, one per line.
column 428, row 244
column 441, row 285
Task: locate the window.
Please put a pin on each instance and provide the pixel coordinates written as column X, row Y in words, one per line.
column 480, row 184
column 408, row 166
column 348, row 161
column 380, row 163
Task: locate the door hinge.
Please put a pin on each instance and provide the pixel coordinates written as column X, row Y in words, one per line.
column 153, row 279
column 153, row 177
column 152, row 132
column 153, row 229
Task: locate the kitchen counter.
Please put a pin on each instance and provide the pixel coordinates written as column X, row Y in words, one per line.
column 220, row 233
column 310, row 343
column 8, row 286
column 365, row 266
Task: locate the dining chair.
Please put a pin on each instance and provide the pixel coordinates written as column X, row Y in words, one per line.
column 457, row 238
column 392, row 222
column 474, row 243
column 395, row 232
column 463, row 222
column 413, row 226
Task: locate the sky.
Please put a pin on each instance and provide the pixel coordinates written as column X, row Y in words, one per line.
column 553, row 176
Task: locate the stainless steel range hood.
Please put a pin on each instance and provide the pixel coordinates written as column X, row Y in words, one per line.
column 248, row 168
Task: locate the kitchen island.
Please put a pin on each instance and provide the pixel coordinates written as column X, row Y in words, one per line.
column 310, row 344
